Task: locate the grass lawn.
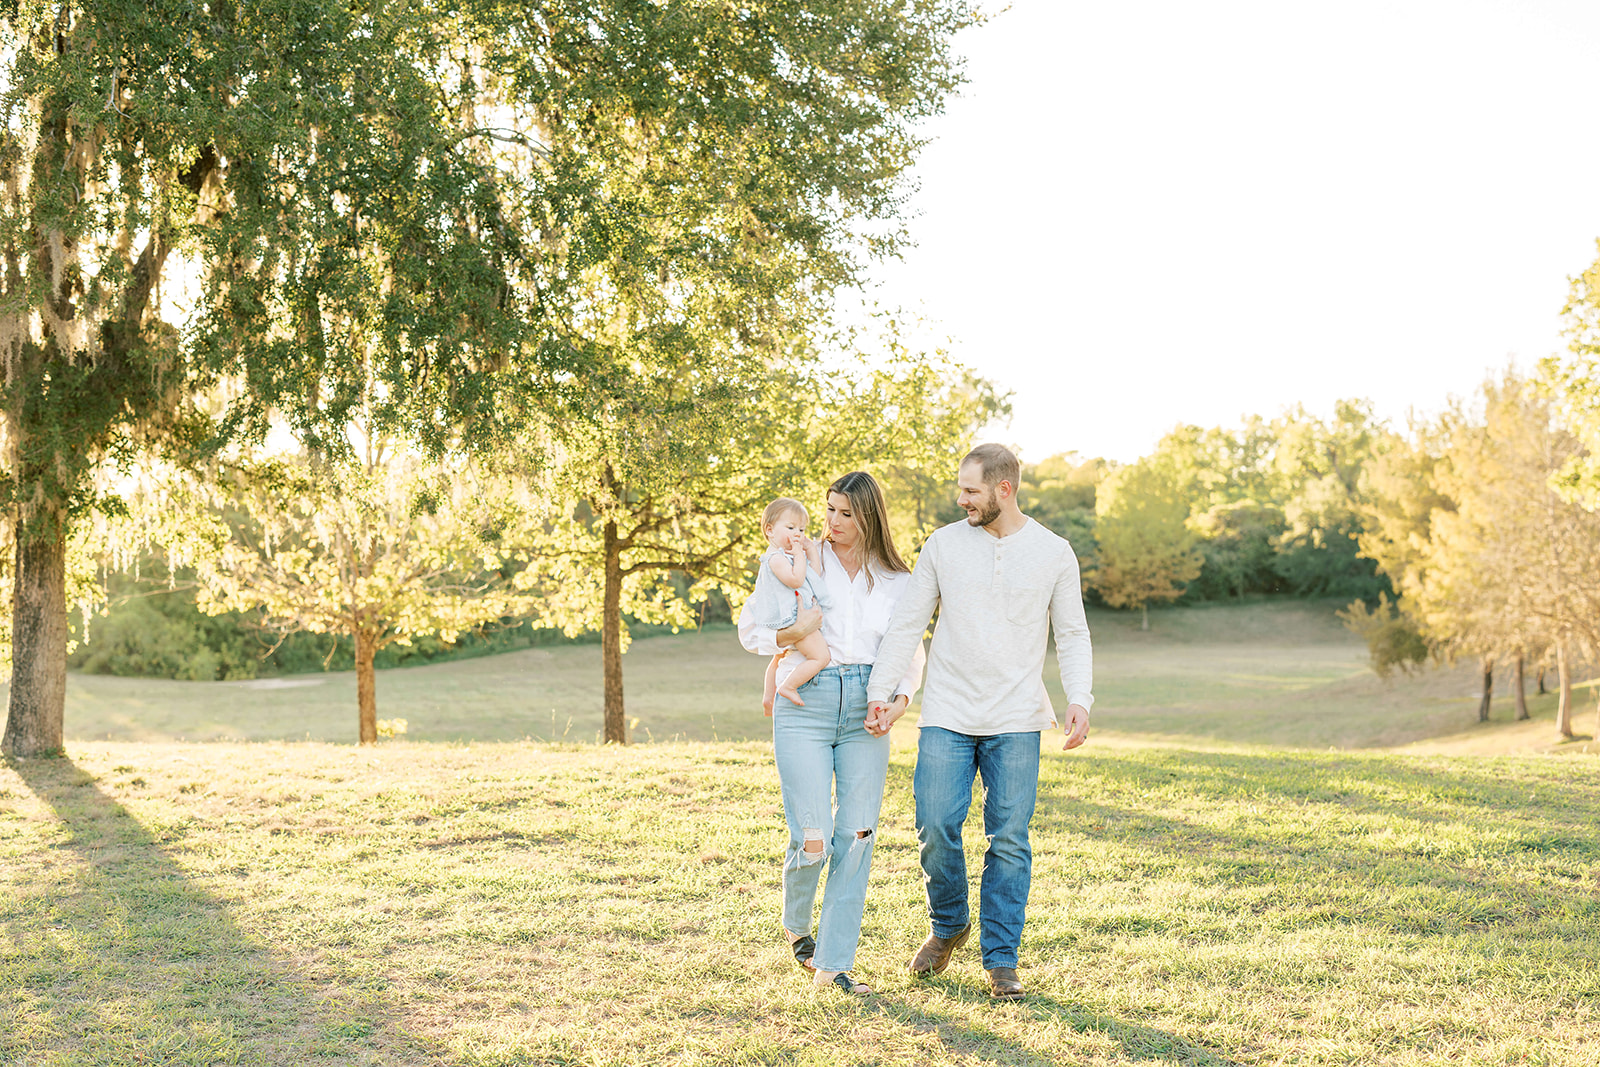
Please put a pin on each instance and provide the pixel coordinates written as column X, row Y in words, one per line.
column 1280, row 673
column 1264, row 856
column 526, row 903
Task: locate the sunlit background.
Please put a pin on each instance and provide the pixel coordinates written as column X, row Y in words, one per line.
column 1147, row 213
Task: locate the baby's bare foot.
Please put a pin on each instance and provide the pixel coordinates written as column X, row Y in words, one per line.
column 790, row 693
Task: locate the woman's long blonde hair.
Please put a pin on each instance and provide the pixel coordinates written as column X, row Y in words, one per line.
column 876, row 547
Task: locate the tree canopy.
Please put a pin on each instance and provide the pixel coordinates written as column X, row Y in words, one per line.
column 1488, row 557
column 385, row 549
column 663, row 496
column 457, row 219
column 1146, row 550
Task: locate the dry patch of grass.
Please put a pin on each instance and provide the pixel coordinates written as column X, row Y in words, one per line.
column 692, row 686
column 538, row 904
column 1277, row 672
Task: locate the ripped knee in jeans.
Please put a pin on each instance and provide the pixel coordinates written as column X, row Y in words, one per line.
column 814, row 848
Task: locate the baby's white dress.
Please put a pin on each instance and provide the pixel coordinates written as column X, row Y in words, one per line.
column 774, row 604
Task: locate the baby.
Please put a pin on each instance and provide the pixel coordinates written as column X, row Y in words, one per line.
column 783, row 586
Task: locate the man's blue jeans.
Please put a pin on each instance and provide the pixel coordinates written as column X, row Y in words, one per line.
column 1009, row 766
column 822, row 747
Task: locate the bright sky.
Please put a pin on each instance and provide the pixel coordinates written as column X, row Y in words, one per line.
column 1148, row 212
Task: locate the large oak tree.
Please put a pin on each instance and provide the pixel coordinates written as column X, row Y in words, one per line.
column 497, row 212
column 187, row 189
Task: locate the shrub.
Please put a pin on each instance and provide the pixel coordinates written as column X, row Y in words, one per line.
column 162, row 634
column 1392, row 642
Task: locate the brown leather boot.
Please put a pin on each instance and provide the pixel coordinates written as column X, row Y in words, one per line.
column 934, row 955
column 1003, row 982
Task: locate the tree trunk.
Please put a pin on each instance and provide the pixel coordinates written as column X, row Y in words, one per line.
column 1564, row 699
column 1521, row 679
column 1488, row 688
column 1144, row 616
column 611, row 640
column 38, row 645
column 367, row 685
column 1542, row 689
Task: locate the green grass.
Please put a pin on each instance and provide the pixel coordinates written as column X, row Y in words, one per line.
column 1199, row 897
column 690, row 686
column 525, row 903
column 1279, row 673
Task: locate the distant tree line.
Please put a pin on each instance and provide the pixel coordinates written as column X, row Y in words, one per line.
column 1481, row 519
column 1471, row 534
column 1433, row 536
column 1273, row 507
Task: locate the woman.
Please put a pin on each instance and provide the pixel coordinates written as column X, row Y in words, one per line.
column 826, row 739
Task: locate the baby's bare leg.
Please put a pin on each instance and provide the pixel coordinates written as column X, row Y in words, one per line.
column 815, row 650
column 769, row 685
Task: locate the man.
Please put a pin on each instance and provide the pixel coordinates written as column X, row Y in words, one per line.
column 999, row 580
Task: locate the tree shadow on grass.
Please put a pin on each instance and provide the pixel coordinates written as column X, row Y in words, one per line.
column 1546, row 814
column 1423, row 789
column 115, row 957
column 1136, row 1042
column 1409, row 883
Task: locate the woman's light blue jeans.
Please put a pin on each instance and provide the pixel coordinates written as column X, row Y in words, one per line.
column 1009, row 766
column 823, row 749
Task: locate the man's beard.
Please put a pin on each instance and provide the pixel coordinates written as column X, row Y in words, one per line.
column 987, row 513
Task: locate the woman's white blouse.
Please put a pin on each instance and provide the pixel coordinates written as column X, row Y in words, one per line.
column 855, row 626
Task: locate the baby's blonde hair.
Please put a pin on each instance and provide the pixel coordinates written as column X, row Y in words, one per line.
column 781, row 507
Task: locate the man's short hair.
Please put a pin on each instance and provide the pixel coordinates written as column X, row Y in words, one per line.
column 998, row 464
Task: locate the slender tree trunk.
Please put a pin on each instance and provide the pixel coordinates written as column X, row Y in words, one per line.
column 1564, row 699
column 38, row 646
column 1144, row 616
column 1542, row 689
column 616, row 727
column 1488, row 688
column 1521, row 690
column 367, row 684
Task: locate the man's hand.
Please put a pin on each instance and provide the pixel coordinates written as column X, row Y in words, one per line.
column 1077, row 726
column 881, row 716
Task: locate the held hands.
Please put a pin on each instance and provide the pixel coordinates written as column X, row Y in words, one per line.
column 1077, row 726
column 881, row 716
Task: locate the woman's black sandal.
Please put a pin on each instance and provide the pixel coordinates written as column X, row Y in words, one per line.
column 804, row 948
column 849, row 984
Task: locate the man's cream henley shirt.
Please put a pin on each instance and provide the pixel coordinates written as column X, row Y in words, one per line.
column 997, row 599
